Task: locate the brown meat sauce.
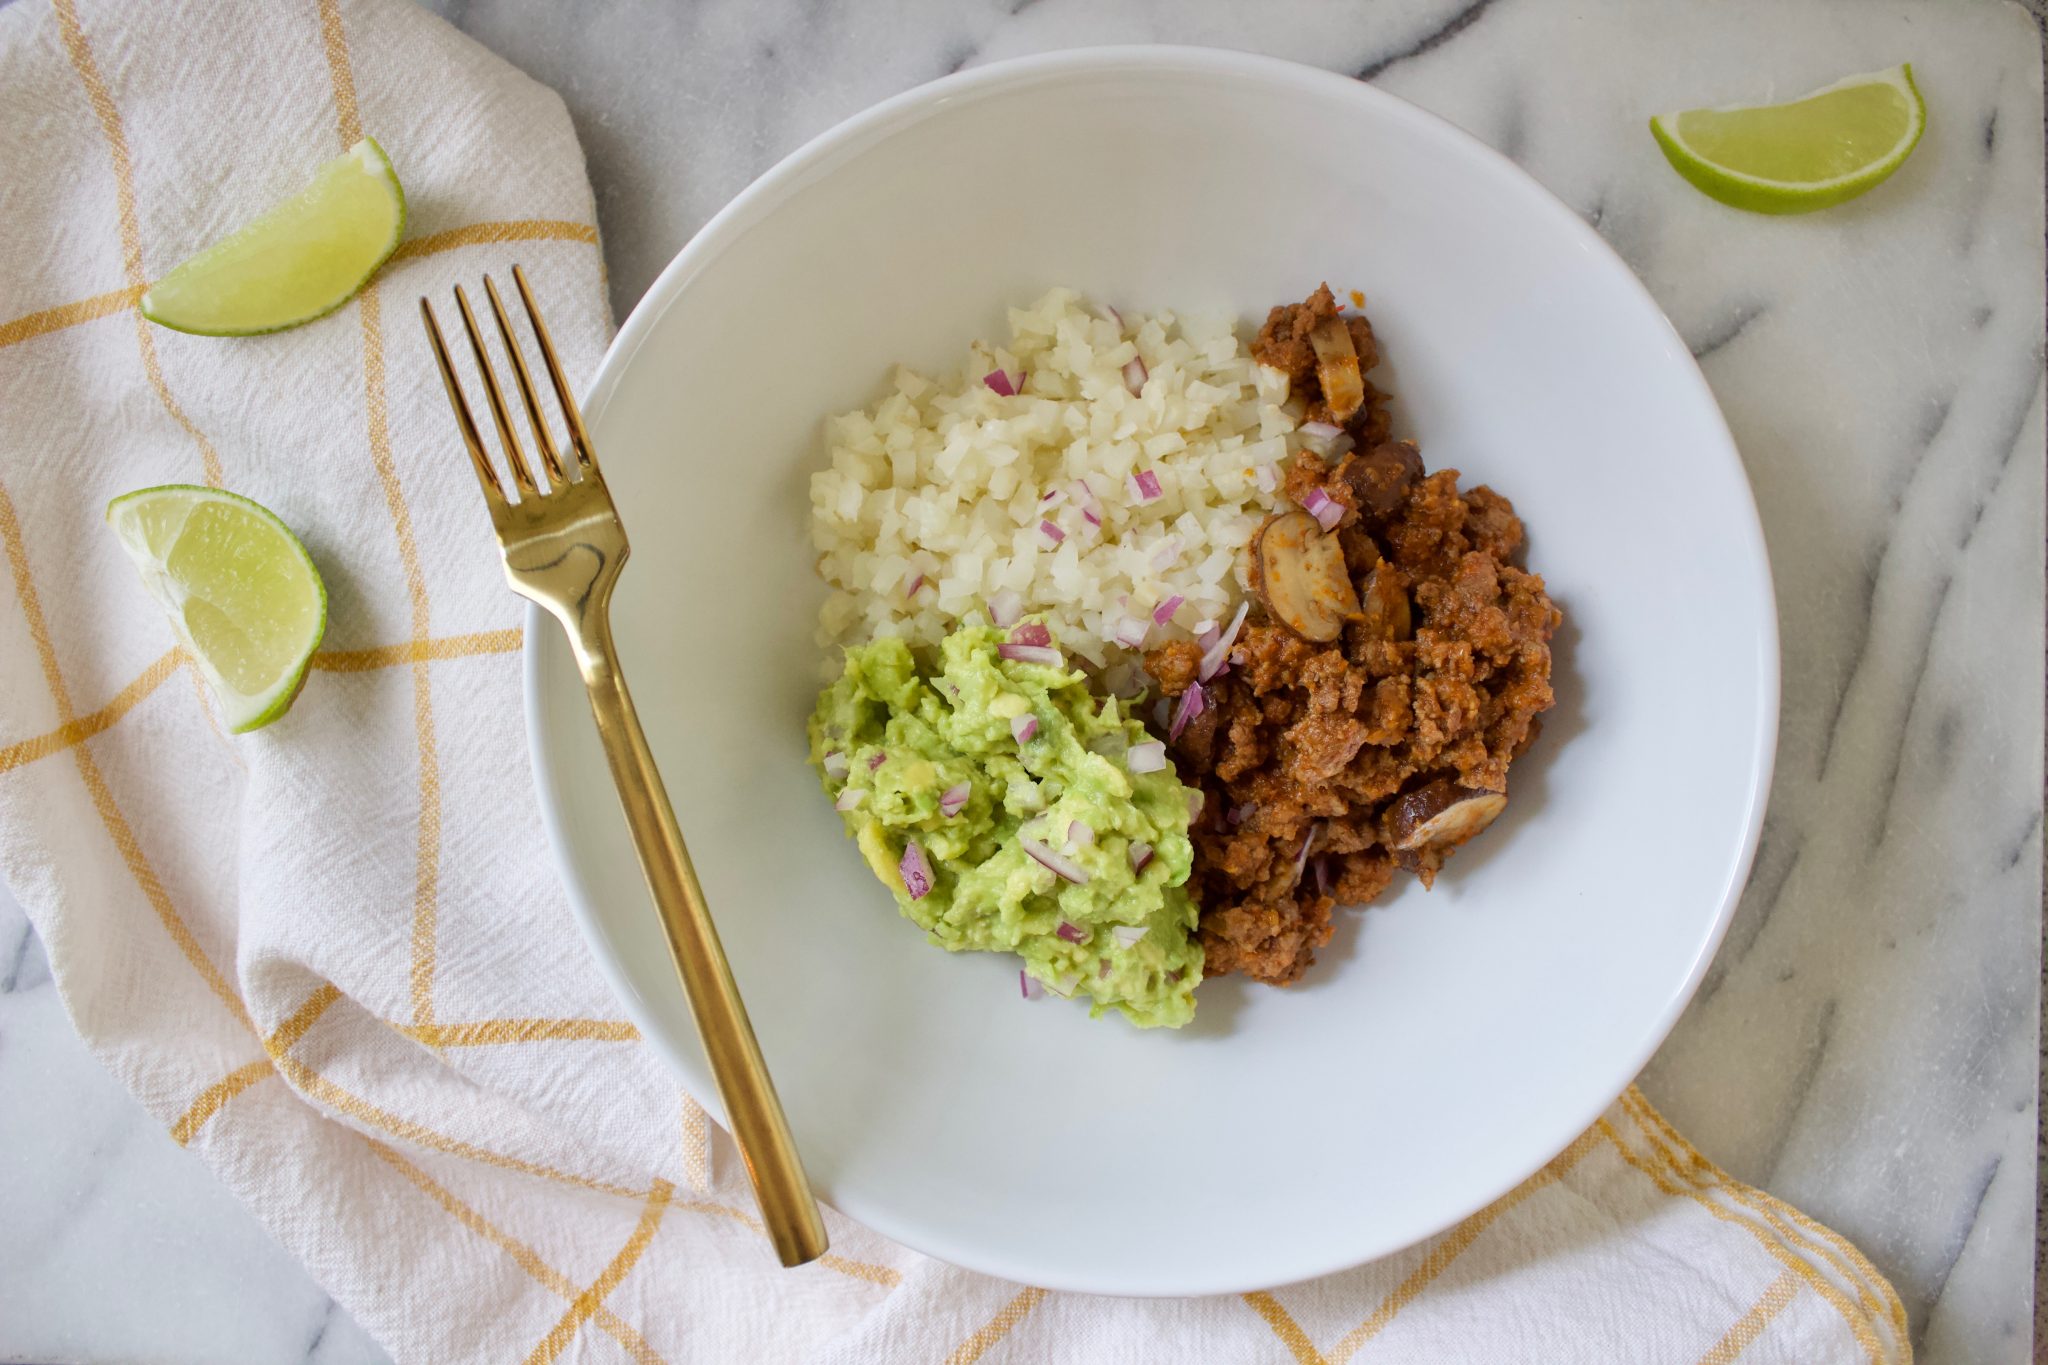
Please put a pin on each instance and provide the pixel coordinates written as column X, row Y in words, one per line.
column 1283, row 344
column 1303, row 748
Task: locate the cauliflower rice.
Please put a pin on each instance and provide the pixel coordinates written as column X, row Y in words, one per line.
column 1117, row 516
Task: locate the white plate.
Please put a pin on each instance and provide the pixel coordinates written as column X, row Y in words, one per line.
column 1446, row 1044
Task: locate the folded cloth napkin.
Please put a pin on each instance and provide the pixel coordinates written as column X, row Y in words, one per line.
column 332, row 957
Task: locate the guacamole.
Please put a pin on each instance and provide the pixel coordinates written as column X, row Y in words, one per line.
column 995, row 797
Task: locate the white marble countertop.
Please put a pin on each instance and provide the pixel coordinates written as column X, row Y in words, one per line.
column 1867, row 1043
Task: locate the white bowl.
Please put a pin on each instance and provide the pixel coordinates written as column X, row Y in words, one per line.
column 1446, row 1044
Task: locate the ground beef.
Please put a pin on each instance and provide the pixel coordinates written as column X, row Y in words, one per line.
column 1284, row 345
column 1303, row 747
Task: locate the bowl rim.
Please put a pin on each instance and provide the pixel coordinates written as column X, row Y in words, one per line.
column 873, row 124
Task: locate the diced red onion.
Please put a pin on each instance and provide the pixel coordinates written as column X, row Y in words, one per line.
column 1135, row 375
column 1071, row 933
column 1301, row 858
column 1110, row 315
column 1218, row 654
column 1045, row 857
column 1241, row 812
column 1131, row 632
column 1325, row 439
column 1174, row 976
column 1168, row 551
column 1267, row 477
column 1141, row 853
column 1321, row 864
column 1027, row 987
column 1004, row 608
column 1196, row 800
column 1324, row 508
column 1067, row 982
column 1084, row 496
column 1080, row 834
column 1149, row 757
column 849, row 799
column 1127, row 935
column 1163, row 613
column 1051, row 532
column 954, row 798
column 912, row 581
column 1103, row 971
column 917, row 872
column 880, row 757
column 1022, row 728
column 1053, row 498
column 835, row 766
column 1192, row 704
column 1000, row 382
column 1031, row 633
column 1145, row 486
column 1206, row 633
column 1031, row 654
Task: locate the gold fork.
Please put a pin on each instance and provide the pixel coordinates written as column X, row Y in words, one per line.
column 563, row 547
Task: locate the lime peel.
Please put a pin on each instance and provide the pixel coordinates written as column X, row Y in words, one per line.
column 242, row 594
column 1822, row 148
column 300, row 260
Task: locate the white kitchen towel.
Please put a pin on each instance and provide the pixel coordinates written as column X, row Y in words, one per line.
column 332, row 956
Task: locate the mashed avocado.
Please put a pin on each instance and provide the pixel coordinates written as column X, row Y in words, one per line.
column 993, row 797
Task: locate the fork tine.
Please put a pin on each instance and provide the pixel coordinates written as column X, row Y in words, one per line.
column 578, row 437
column 493, row 494
column 526, row 394
column 497, row 399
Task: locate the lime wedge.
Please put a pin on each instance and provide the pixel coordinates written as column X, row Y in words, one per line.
column 1809, row 153
column 241, row 591
column 304, row 258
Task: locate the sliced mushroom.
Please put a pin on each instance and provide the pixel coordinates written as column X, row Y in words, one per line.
column 1337, row 368
column 1441, row 815
column 1384, row 604
column 1381, row 478
column 1298, row 574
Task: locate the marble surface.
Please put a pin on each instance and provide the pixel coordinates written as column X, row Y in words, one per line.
column 1867, row 1043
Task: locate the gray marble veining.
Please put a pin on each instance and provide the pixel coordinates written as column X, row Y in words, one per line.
column 1866, row 1044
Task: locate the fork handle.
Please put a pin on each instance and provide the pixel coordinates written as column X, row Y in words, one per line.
column 751, row 1106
